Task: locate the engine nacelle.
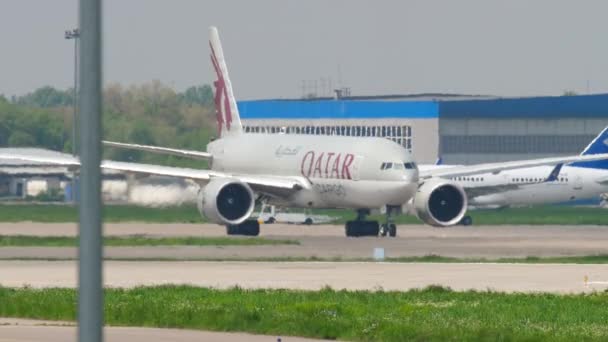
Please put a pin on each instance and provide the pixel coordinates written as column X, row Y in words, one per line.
column 226, row 201
column 440, row 203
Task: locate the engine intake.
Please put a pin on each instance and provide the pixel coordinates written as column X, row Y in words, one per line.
column 440, row 203
column 226, row 201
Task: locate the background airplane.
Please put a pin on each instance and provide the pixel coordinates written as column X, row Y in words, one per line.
column 307, row 171
column 536, row 185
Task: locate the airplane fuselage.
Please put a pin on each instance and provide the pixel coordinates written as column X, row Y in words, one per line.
column 573, row 183
column 342, row 172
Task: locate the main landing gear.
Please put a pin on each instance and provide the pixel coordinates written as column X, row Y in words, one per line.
column 362, row 227
column 247, row 228
column 466, row 221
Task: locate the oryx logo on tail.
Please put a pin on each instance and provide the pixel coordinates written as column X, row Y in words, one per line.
column 227, row 113
column 222, row 108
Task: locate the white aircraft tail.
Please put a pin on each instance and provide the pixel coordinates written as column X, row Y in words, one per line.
column 227, row 112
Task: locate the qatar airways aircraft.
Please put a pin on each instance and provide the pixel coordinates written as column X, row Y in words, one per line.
column 304, row 171
column 536, row 185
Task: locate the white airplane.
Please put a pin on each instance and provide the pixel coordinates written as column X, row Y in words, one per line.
column 304, row 171
column 535, row 185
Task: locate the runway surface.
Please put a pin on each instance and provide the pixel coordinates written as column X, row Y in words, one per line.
column 12, row 330
column 329, row 242
column 561, row 278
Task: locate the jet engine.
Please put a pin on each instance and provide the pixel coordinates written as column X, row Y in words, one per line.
column 440, row 203
column 226, row 201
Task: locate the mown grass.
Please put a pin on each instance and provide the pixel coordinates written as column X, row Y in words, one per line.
column 556, row 215
column 432, row 314
column 111, row 213
column 584, row 259
column 137, row 240
column 539, row 215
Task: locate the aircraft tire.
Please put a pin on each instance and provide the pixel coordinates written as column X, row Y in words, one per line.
column 247, row 228
column 362, row 228
column 383, row 230
column 392, row 230
column 466, row 221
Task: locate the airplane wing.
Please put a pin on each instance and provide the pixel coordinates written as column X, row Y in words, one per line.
column 496, row 168
column 160, row 150
column 476, row 191
column 266, row 184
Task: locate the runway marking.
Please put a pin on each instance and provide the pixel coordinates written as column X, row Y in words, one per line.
column 596, row 282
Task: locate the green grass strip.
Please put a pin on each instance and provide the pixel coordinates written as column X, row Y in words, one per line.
column 554, row 215
column 112, row 213
column 138, row 240
column 432, row 314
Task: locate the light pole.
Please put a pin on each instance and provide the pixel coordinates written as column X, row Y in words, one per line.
column 74, row 34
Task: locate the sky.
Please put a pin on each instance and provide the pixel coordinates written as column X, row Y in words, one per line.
column 272, row 47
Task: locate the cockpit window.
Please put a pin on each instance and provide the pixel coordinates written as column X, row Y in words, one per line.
column 383, row 166
column 398, row 166
column 388, row 166
column 410, row 166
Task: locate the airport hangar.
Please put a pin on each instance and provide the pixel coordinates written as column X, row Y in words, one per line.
column 461, row 129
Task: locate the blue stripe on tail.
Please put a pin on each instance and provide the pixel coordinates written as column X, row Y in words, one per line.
column 597, row 146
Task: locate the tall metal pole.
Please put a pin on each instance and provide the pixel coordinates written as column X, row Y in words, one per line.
column 74, row 34
column 90, row 297
column 75, row 96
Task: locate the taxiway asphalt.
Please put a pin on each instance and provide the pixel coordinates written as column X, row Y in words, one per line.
column 328, row 241
column 558, row 278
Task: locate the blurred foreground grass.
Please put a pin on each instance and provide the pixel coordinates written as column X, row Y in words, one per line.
column 432, row 314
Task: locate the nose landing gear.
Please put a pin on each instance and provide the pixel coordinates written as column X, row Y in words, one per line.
column 389, row 228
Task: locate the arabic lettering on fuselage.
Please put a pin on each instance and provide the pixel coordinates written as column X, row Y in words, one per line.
column 327, row 165
column 287, row 151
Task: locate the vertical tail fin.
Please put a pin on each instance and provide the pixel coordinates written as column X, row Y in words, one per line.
column 597, row 146
column 227, row 112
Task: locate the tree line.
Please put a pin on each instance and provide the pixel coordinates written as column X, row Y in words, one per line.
column 151, row 113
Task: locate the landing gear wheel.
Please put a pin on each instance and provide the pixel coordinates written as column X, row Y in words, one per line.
column 271, row 220
column 308, row 221
column 362, row 228
column 466, row 221
column 383, row 229
column 392, row 230
column 247, row 228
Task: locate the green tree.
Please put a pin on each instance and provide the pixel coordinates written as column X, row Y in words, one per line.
column 46, row 97
column 200, row 95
